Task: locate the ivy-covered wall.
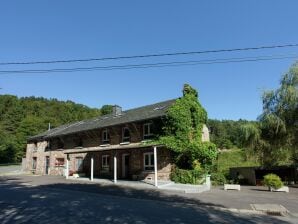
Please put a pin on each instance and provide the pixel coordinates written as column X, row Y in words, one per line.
column 182, row 132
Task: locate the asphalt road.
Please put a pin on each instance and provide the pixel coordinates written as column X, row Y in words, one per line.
column 24, row 201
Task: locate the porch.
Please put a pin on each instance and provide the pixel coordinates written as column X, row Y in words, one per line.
column 119, row 162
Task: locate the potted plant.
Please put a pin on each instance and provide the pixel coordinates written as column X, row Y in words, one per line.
column 272, row 181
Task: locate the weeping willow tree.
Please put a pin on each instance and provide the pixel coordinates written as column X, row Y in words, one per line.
column 275, row 138
column 183, row 131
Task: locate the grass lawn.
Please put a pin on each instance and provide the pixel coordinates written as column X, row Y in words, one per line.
column 234, row 158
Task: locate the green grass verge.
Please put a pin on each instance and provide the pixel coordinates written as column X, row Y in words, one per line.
column 233, row 158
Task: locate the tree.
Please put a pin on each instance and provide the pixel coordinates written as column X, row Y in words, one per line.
column 275, row 138
column 106, row 109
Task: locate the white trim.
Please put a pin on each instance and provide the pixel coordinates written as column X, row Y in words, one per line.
column 155, row 165
column 91, row 178
column 150, row 163
column 67, row 169
column 105, row 136
column 150, row 134
column 115, row 169
column 127, row 138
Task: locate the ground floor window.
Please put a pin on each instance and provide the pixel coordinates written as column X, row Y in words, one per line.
column 105, row 162
column 79, row 163
column 149, row 161
column 59, row 162
column 34, row 163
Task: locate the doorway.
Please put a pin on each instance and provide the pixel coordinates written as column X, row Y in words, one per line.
column 125, row 166
column 47, row 165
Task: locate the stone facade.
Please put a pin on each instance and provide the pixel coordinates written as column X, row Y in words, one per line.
column 49, row 156
column 46, row 153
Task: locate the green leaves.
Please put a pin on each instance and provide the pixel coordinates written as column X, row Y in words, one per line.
column 275, row 138
column 27, row 116
column 183, row 130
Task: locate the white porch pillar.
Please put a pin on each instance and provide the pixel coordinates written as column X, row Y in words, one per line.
column 115, row 168
column 91, row 178
column 67, row 168
column 155, row 166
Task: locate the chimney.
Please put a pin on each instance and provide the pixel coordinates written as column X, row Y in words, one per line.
column 117, row 110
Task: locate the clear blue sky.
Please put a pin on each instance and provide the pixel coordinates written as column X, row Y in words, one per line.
column 54, row 30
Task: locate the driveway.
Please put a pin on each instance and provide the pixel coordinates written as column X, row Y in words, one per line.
column 45, row 199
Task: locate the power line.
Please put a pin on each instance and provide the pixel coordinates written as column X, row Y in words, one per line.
column 150, row 55
column 154, row 65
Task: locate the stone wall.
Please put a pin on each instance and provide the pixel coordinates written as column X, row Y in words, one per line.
column 39, row 150
column 136, row 163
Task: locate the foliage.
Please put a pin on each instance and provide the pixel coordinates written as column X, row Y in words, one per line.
column 106, row 109
column 234, row 158
column 27, row 116
column 226, row 133
column 187, row 176
column 274, row 139
column 182, row 131
column 218, row 178
column 272, row 181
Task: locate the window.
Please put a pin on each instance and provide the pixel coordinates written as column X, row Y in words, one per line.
column 105, row 162
column 149, row 161
column 35, row 146
column 105, row 136
column 34, row 163
column 59, row 162
column 147, row 128
column 79, row 164
column 125, row 135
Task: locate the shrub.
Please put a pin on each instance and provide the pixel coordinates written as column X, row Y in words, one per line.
column 272, row 181
column 187, row 176
column 218, row 178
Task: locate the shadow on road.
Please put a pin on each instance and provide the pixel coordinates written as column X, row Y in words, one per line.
column 20, row 202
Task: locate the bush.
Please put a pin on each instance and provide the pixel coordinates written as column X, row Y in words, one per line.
column 272, row 181
column 187, row 176
column 218, row 178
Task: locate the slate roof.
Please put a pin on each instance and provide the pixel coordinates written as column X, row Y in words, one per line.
column 138, row 114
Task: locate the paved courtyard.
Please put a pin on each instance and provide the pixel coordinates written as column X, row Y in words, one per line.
column 48, row 199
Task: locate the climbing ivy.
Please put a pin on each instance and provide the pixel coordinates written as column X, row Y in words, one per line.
column 182, row 132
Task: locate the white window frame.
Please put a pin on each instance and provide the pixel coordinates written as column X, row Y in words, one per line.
column 79, row 165
column 105, row 165
column 123, row 131
column 59, row 163
column 34, row 163
column 105, row 136
column 150, row 166
column 149, row 134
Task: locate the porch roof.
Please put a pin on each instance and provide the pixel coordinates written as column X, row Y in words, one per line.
column 108, row 148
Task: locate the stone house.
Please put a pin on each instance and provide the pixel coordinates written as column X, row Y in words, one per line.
column 116, row 146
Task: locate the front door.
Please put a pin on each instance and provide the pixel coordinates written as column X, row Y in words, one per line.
column 125, row 166
column 47, row 164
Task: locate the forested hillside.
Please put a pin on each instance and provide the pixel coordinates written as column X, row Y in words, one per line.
column 27, row 116
column 226, row 134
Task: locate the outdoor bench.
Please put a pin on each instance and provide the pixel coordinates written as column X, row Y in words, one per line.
column 232, row 187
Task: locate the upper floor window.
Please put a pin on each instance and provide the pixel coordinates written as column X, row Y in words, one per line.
column 147, row 131
column 105, row 136
column 78, row 142
column 125, row 134
column 35, row 146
